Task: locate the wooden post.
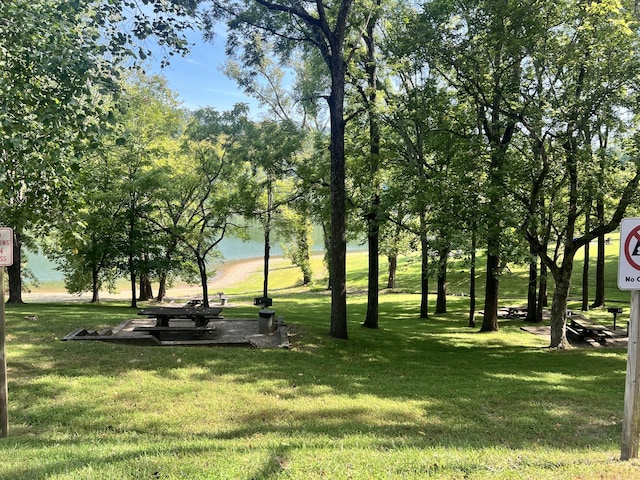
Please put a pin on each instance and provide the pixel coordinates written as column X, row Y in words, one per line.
column 631, row 422
column 4, row 403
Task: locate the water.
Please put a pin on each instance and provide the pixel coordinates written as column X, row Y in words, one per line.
column 232, row 249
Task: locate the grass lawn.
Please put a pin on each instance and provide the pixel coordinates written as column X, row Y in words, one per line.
column 415, row 399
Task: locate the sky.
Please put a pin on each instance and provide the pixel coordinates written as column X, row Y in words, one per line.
column 198, row 77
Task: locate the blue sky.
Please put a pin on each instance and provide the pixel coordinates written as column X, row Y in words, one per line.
column 198, row 77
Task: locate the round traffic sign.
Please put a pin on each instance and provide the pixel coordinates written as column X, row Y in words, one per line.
column 634, row 234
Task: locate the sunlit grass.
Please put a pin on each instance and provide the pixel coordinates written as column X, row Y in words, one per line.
column 413, row 399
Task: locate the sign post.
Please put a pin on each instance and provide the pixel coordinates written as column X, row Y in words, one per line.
column 6, row 259
column 629, row 279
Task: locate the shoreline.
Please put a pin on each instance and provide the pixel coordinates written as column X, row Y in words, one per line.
column 229, row 273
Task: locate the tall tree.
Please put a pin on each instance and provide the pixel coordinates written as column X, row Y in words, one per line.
column 297, row 103
column 271, row 149
column 50, row 110
column 477, row 47
column 152, row 116
column 369, row 95
column 593, row 62
column 85, row 243
column 323, row 26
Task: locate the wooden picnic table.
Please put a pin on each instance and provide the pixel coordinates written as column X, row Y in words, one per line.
column 512, row 312
column 586, row 328
column 200, row 315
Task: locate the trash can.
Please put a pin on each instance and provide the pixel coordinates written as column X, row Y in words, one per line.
column 266, row 323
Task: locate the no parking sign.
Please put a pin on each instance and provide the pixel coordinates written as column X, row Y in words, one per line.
column 629, row 258
column 6, row 247
column 629, row 279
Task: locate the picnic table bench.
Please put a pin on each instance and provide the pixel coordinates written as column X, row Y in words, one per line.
column 175, row 333
column 200, row 315
column 583, row 328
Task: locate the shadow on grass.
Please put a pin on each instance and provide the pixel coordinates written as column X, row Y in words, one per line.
column 467, row 390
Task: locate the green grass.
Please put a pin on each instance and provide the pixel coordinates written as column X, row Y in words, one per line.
column 415, row 399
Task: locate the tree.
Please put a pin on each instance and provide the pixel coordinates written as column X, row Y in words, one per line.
column 369, row 96
column 58, row 67
column 411, row 123
column 295, row 225
column 51, row 74
column 293, row 104
column 593, row 62
column 325, row 28
column 477, row 47
column 395, row 240
column 271, row 149
column 85, row 243
column 201, row 195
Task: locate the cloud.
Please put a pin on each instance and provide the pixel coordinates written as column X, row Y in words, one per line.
column 193, row 62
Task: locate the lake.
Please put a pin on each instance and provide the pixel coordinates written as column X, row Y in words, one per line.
column 232, row 248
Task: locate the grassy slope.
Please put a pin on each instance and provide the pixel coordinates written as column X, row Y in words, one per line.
column 414, row 399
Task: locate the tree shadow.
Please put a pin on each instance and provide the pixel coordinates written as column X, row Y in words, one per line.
column 469, row 390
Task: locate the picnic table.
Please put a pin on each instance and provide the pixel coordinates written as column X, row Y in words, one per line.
column 200, row 315
column 584, row 328
column 512, row 312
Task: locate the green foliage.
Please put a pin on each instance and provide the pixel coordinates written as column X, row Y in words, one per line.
column 51, row 81
column 97, row 239
column 59, row 68
column 297, row 228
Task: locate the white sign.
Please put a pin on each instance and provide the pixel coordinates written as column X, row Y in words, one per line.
column 6, row 247
column 629, row 258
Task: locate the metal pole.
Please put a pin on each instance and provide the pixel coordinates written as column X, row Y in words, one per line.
column 631, row 422
column 4, row 404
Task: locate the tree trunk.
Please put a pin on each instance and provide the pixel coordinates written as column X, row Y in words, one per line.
column 327, row 252
column 542, row 294
column 424, row 286
column 600, row 262
column 532, row 288
column 393, row 268
column 162, row 287
column 499, row 132
column 146, row 290
column 472, row 280
column 371, row 319
column 303, row 246
column 132, row 279
column 490, row 319
column 338, row 242
column 585, row 278
column 95, row 285
column 267, row 251
column 600, row 220
column 441, row 298
column 373, row 220
column 15, row 271
column 585, row 266
column 141, row 288
column 559, row 307
column 495, row 221
column 202, row 268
